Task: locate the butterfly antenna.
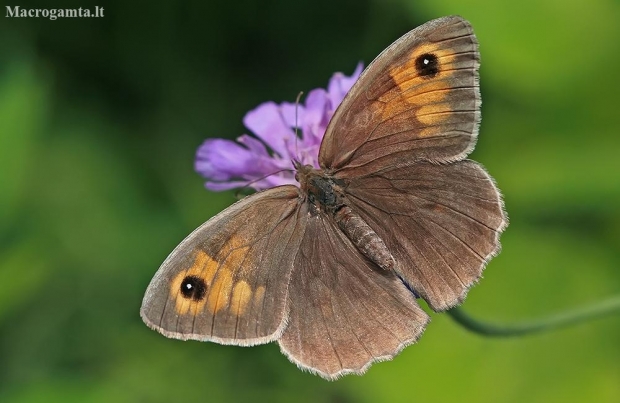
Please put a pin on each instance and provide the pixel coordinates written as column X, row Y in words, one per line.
column 297, row 125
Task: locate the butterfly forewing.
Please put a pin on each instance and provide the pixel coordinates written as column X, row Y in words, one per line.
column 228, row 280
column 418, row 100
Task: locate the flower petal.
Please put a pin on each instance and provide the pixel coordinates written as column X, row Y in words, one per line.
column 254, row 145
column 317, row 115
column 267, row 163
column 268, row 124
column 219, row 186
column 293, row 114
column 339, row 85
column 221, row 159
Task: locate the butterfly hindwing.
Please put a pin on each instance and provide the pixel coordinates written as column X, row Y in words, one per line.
column 345, row 312
column 441, row 222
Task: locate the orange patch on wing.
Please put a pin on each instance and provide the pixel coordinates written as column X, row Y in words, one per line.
column 232, row 256
column 223, row 291
column 259, row 294
column 242, row 293
column 418, row 96
column 433, row 114
column 202, row 261
column 219, row 294
column 430, row 92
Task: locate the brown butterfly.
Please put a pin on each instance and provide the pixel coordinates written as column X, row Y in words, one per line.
column 327, row 269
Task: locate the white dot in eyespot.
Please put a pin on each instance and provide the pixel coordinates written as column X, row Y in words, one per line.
column 426, row 61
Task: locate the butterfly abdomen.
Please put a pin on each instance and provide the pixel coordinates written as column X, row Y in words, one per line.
column 363, row 237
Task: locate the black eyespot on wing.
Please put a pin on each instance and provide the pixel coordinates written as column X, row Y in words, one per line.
column 194, row 288
column 427, row 65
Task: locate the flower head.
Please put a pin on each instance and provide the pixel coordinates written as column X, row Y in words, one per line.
column 265, row 161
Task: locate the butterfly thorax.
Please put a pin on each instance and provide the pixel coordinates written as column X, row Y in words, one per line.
column 323, row 192
column 325, row 196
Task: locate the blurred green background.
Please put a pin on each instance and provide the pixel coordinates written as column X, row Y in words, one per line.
column 99, row 123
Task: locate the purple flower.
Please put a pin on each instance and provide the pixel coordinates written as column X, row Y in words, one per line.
column 266, row 161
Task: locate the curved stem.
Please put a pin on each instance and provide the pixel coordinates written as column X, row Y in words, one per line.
column 606, row 307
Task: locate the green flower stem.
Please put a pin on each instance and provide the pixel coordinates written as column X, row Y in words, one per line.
column 596, row 310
